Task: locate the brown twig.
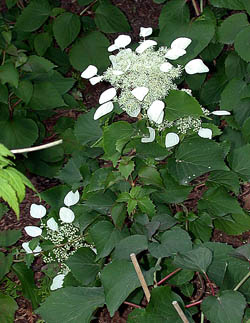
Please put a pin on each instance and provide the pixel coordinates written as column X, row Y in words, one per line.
column 132, row 304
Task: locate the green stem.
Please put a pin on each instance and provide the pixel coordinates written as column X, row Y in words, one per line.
column 4, row 55
column 242, row 281
column 202, row 317
column 87, row 8
column 201, row 6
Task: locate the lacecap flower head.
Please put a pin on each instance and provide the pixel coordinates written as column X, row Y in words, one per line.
column 141, row 79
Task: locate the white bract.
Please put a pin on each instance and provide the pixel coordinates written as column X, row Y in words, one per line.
column 66, row 215
column 172, row 139
column 72, row 198
column 155, row 111
column 178, row 47
column 27, row 249
column 33, row 231
column 52, row 224
column 103, row 109
column 94, row 80
column 205, row 133
column 221, row 113
column 120, row 42
column 107, row 95
column 196, row 66
column 37, row 211
column 145, row 45
column 145, row 32
column 140, row 92
column 151, row 137
column 166, row 67
column 57, row 282
column 89, row 72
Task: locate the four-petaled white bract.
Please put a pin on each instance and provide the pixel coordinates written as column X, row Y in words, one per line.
column 140, row 92
column 66, row 215
column 27, row 249
column 145, row 45
column 171, row 140
column 72, row 198
column 33, row 231
column 89, row 72
column 166, row 67
column 155, row 111
column 196, row 66
column 145, row 32
column 57, row 282
column 151, row 137
column 107, row 95
column 221, row 113
column 103, row 109
column 205, row 133
column 52, row 224
column 37, row 211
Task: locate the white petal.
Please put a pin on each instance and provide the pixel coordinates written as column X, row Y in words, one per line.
column 205, row 133
column 181, row 42
column 145, row 45
column 90, row 71
column 57, row 282
column 111, row 48
column 66, row 215
column 155, row 111
column 103, row 109
column 72, row 198
column 94, row 80
column 52, row 224
column 116, row 72
column 166, row 67
column 122, row 41
column 145, row 32
column 221, row 113
column 33, row 231
column 37, row 211
column 140, row 92
column 26, row 247
column 107, row 95
column 172, row 139
column 151, row 136
column 175, row 53
column 196, row 66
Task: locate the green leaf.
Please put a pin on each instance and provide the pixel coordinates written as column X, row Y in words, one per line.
column 8, row 306
column 9, row 195
column 87, row 129
column 62, row 84
column 26, row 276
column 180, row 278
column 5, row 264
column 179, row 104
column 160, row 308
column 132, row 244
column 194, row 157
column 101, row 202
column 46, row 96
column 172, row 242
column 105, row 237
column 118, row 214
column 83, row 266
column 246, row 130
column 229, row 4
column 228, row 179
column 72, row 305
column 70, row 173
column 55, row 196
column 235, row 67
column 197, row 259
column 222, row 308
column 242, row 252
column 242, row 45
column 9, row 74
column 18, row 132
column 119, row 279
column 126, row 167
column 110, row 19
column 201, row 227
column 94, row 46
column 239, row 161
column 24, row 91
column 9, row 237
column 33, row 16
column 150, row 176
column 4, row 94
column 230, row 101
column 66, row 28
column 42, row 42
column 84, row 2
column 234, row 225
column 146, row 206
column 231, row 26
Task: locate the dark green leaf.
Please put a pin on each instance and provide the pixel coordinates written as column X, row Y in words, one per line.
column 24, row 91
column 242, row 252
column 201, row 227
column 228, row 179
column 229, row 4
column 9, row 237
column 5, row 264
column 150, row 176
column 242, row 45
column 118, row 214
column 9, row 74
column 235, row 67
column 8, row 306
column 4, row 94
column 42, row 42
column 239, row 161
column 55, row 196
column 231, row 26
column 132, row 244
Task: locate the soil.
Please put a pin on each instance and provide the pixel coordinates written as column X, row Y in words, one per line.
column 139, row 13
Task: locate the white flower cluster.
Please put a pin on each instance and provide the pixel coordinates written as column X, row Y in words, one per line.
column 64, row 235
column 141, row 79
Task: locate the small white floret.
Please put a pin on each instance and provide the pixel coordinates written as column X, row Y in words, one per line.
column 52, row 224
column 221, row 113
column 90, row 71
column 66, row 215
column 175, row 53
column 72, row 198
column 103, row 109
column 205, row 133
column 57, row 282
column 166, row 67
column 196, row 66
column 27, row 249
column 182, row 42
column 107, row 95
column 155, row 111
column 116, row 72
column 145, row 32
column 94, row 80
column 151, row 137
column 37, row 211
column 33, row 231
column 122, row 41
column 171, row 140
column 140, row 92
column 145, row 45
